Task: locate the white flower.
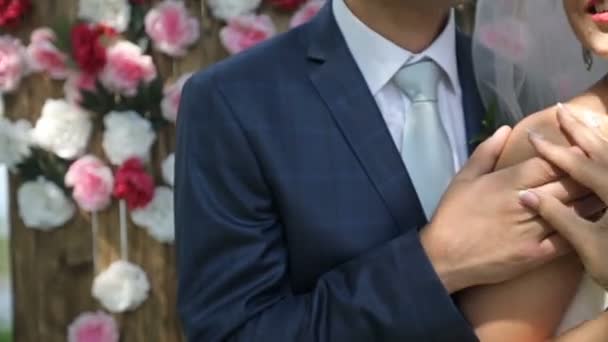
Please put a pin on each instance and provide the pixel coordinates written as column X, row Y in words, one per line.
column 168, row 169
column 63, row 128
column 157, row 217
column 15, row 140
column 227, row 9
column 121, row 287
column 113, row 13
column 127, row 135
column 43, row 205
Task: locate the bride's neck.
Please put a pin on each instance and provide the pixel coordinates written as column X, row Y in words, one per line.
column 596, row 98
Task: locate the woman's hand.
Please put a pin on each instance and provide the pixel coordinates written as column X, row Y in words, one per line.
column 590, row 239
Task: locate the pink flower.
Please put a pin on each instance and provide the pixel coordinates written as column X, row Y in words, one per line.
column 12, row 12
column 173, row 94
column 306, row 12
column 43, row 55
column 127, row 67
column 93, row 327
column 508, row 38
column 12, row 63
column 76, row 83
column 245, row 31
column 92, row 181
column 171, row 29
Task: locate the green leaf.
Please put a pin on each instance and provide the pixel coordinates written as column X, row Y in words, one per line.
column 135, row 31
column 490, row 119
column 489, row 123
column 101, row 101
column 46, row 164
column 63, row 30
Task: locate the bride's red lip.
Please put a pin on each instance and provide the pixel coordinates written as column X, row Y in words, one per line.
column 600, row 18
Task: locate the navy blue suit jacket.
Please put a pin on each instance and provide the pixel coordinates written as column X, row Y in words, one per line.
column 296, row 219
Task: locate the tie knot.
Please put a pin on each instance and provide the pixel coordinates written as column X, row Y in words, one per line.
column 419, row 80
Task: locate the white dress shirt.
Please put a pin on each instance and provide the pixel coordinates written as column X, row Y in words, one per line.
column 379, row 60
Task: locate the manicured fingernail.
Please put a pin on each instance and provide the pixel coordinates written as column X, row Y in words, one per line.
column 563, row 108
column 564, row 112
column 529, row 199
column 533, row 135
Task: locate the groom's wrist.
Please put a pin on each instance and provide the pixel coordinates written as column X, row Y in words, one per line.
column 453, row 277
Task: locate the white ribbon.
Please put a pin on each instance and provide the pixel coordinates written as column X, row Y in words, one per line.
column 124, row 238
column 94, row 231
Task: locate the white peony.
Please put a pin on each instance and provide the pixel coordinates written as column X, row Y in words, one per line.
column 15, row 141
column 63, row 128
column 228, row 9
column 168, row 169
column 121, row 287
column 43, row 205
column 127, row 134
column 113, row 13
column 157, row 217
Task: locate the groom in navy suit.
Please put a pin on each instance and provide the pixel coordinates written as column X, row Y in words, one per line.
column 305, row 180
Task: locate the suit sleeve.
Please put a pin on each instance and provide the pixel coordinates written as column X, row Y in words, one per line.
column 232, row 259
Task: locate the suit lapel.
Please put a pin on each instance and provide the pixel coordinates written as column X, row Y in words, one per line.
column 339, row 82
column 472, row 105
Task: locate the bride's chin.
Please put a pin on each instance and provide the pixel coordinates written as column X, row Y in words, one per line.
column 596, row 40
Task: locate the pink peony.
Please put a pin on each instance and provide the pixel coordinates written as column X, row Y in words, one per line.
column 12, row 63
column 508, row 38
column 243, row 32
column 93, row 327
column 126, row 68
column 75, row 84
column 43, row 55
column 171, row 29
column 92, row 181
column 306, row 13
column 172, row 96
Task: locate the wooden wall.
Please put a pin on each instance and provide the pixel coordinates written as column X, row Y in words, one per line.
column 53, row 271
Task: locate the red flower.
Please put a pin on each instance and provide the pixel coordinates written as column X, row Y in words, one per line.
column 12, row 11
column 133, row 184
column 87, row 50
column 286, row 5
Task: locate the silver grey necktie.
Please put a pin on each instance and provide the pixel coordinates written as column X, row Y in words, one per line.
column 425, row 147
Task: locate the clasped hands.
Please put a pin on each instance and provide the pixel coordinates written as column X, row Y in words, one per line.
column 499, row 217
column 590, row 168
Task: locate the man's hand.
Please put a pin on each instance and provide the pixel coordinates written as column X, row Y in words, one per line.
column 481, row 232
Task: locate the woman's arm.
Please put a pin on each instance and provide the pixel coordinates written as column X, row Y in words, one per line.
column 530, row 308
column 595, row 330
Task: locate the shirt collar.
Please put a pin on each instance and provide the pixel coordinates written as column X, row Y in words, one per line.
column 379, row 59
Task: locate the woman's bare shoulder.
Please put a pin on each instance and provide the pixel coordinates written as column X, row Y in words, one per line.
column 591, row 107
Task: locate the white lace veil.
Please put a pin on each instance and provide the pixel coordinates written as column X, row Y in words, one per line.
column 526, row 56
